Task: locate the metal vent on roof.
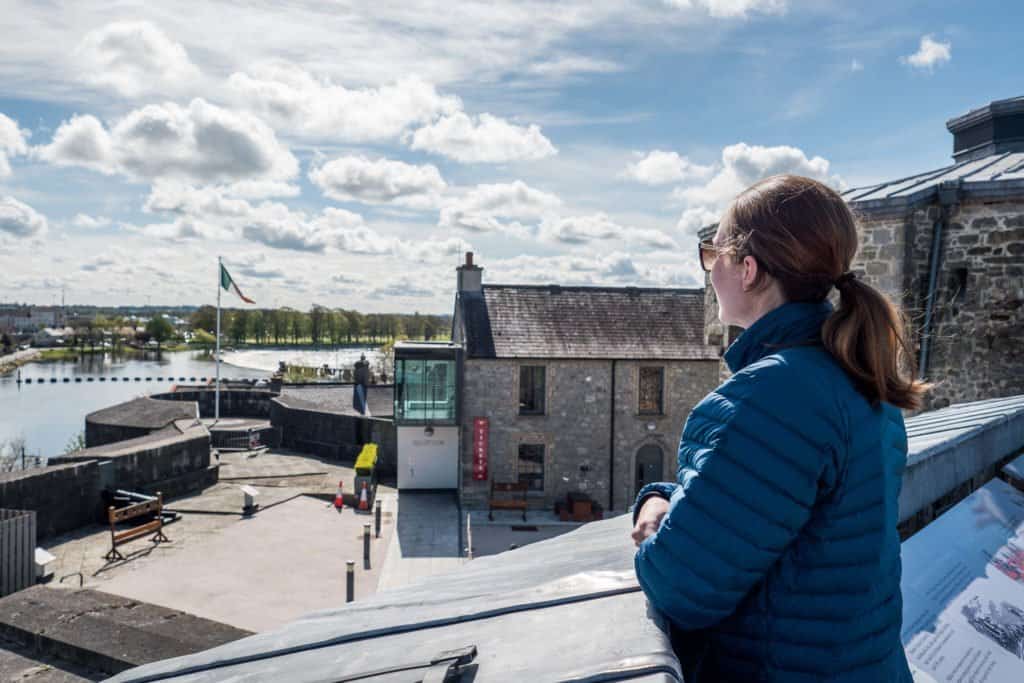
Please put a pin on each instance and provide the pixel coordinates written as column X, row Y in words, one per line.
column 997, row 127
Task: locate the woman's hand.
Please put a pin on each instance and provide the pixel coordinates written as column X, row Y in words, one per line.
column 649, row 519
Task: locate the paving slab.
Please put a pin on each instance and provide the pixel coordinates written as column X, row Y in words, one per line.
column 261, row 572
column 426, row 541
column 105, row 632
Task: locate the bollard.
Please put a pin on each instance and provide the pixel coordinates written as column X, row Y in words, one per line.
column 350, row 580
column 366, row 545
column 376, row 517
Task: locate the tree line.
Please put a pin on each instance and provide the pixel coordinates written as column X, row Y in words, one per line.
column 318, row 325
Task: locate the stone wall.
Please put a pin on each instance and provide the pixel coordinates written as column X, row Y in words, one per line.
column 334, row 435
column 64, row 497
column 576, row 426
column 172, row 461
column 233, row 402
column 978, row 329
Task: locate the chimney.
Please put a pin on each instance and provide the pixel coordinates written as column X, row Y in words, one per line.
column 470, row 277
column 993, row 129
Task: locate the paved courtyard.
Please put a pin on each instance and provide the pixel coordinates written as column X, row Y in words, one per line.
column 251, row 572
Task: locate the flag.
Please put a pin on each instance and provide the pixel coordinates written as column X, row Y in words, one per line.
column 228, row 284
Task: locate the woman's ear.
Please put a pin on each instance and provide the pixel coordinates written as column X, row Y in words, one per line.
column 750, row 271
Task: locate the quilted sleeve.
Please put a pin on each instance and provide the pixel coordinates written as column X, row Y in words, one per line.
column 747, row 484
column 663, row 489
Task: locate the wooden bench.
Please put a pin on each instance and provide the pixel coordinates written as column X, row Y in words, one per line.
column 515, row 501
column 155, row 526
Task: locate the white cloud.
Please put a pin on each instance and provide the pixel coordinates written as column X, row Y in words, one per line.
column 482, row 139
column 659, row 167
column 289, row 96
column 695, row 218
column 20, row 220
column 380, row 181
column 88, row 222
column 598, row 226
column 742, row 165
column 731, row 8
column 580, row 229
column 202, row 143
column 12, row 143
column 81, row 141
column 930, row 53
column 569, row 65
column 482, row 209
column 134, row 58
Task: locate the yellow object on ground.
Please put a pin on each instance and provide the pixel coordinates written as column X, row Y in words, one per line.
column 367, row 459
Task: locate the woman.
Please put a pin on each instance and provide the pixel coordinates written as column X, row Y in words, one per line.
column 775, row 556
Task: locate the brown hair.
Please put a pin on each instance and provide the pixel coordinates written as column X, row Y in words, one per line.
column 803, row 235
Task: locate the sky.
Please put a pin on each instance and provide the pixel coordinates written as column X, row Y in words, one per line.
column 347, row 154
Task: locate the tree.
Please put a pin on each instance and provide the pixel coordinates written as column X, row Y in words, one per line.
column 316, row 323
column 204, row 318
column 258, row 324
column 239, row 326
column 160, row 329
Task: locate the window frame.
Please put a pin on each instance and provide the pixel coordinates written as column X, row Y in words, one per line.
column 543, row 466
column 639, row 390
column 542, row 394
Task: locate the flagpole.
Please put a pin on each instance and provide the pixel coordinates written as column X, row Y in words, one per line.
column 216, row 399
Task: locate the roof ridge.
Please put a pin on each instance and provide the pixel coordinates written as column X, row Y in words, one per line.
column 597, row 288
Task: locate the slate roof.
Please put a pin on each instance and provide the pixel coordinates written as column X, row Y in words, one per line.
column 992, row 177
column 627, row 323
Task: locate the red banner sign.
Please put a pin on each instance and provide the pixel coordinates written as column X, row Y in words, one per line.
column 480, row 431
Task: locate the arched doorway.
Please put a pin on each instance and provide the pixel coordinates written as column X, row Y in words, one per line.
column 649, row 466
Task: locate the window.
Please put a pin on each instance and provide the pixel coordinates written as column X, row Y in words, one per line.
column 531, row 390
column 531, row 466
column 652, row 382
column 425, row 390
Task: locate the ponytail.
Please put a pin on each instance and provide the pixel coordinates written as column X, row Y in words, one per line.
column 803, row 234
column 867, row 336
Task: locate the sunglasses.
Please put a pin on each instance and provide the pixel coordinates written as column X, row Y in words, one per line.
column 708, row 254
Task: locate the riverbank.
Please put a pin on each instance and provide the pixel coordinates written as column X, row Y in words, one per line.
column 13, row 361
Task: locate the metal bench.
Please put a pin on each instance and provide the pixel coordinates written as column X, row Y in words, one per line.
column 515, row 500
column 154, row 526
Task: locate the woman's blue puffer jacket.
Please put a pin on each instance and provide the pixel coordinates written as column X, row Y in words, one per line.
column 779, row 553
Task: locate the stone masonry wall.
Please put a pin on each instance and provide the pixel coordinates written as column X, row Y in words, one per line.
column 64, row 497
column 978, row 329
column 686, row 383
column 576, row 427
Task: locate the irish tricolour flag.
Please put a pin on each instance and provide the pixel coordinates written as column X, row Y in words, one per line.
column 228, row 284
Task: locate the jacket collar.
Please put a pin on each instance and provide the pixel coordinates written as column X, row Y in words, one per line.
column 790, row 324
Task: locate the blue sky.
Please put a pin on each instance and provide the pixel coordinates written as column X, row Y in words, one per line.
column 346, row 154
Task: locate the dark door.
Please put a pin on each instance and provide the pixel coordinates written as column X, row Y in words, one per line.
column 649, row 463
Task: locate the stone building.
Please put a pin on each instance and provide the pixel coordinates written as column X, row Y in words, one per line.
column 947, row 246
column 585, row 389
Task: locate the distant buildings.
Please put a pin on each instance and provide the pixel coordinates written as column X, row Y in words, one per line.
column 25, row 319
column 52, row 336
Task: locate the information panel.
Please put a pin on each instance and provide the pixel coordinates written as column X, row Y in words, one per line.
column 963, row 591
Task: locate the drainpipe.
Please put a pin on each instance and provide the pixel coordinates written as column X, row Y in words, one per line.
column 949, row 195
column 611, row 446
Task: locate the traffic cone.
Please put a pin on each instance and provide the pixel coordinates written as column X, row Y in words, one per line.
column 364, row 501
column 338, row 500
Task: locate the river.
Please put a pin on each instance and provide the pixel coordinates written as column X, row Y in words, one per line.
column 48, row 415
